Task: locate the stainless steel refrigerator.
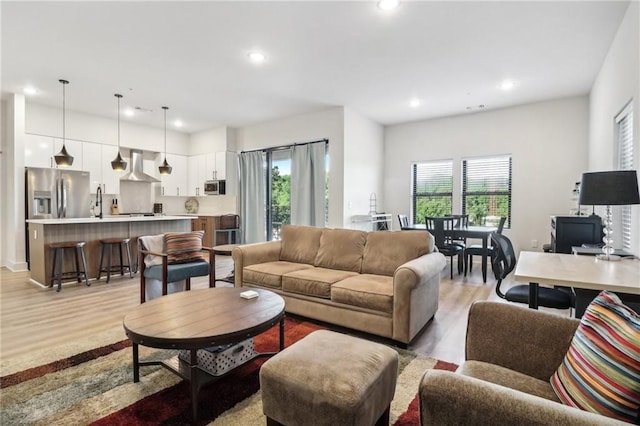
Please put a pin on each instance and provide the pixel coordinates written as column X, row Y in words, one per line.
column 55, row 194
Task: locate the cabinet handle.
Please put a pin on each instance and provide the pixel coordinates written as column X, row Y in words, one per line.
column 177, row 190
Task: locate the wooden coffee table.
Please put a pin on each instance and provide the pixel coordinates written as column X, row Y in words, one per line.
column 199, row 319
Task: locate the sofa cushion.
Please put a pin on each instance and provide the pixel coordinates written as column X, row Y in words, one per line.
column 341, row 249
column 314, row 282
column 184, row 247
column 601, row 370
column 300, row 243
column 508, row 378
column 385, row 251
column 365, row 291
column 269, row 274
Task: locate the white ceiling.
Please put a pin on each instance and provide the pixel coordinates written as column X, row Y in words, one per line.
column 191, row 56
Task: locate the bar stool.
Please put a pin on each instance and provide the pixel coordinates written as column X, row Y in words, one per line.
column 107, row 244
column 58, row 258
column 229, row 225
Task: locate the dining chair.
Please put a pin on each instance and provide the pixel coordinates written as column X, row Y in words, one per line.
column 460, row 221
column 476, row 249
column 404, row 221
column 503, row 261
column 442, row 230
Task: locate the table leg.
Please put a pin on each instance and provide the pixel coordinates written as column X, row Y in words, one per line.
column 136, row 363
column 213, row 268
column 195, row 386
column 282, row 334
column 484, row 257
column 533, row 295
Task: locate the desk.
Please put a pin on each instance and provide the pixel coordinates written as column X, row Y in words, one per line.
column 479, row 232
column 580, row 272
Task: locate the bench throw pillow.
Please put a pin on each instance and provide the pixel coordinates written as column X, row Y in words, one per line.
column 184, row 247
column 601, row 371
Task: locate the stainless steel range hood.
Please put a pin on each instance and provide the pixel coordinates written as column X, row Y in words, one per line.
column 136, row 173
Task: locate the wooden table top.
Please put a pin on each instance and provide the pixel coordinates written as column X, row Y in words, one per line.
column 201, row 318
column 587, row 272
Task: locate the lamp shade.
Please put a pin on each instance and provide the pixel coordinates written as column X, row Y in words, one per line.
column 612, row 188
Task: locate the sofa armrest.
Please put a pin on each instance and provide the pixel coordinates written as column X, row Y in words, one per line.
column 251, row 254
column 448, row 398
column 416, row 289
column 521, row 339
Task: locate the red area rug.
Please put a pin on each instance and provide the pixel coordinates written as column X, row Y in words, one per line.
column 96, row 387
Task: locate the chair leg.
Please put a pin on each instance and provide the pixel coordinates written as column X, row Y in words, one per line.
column 109, row 263
column 121, row 262
column 129, row 260
column 61, row 269
column 451, row 265
column 53, row 267
column 75, row 256
column 100, row 264
column 84, row 266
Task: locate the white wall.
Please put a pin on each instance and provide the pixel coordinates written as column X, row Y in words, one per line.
column 327, row 124
column 364, row 164
column 548, row 143
column 618, row 82
column 213, row 140
column 45, row 120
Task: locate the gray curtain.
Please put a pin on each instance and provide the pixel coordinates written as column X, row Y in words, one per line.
column 252, row 196
column 308, row 184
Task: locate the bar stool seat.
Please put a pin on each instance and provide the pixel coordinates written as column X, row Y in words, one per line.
column 58, row 260
column 108, row 244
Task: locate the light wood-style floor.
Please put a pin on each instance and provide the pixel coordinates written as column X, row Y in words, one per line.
column 34, row 318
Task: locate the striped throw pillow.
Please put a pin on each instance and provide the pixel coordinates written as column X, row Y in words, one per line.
column 184, row 247
column 601, row 371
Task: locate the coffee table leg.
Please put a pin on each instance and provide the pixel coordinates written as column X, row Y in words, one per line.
column 195, row 386
column 136, row 364
column 282, row 333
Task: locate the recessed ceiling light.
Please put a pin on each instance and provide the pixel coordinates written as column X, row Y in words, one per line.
column 507, row 85
column 30, row 90
column 257, row 57
column 129, row 112
column 388, row 4
column 414, row 103
column 177, row 123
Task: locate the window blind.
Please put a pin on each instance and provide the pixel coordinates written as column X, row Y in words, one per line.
column 486, row 189
column 624, row 122
column 432, row 189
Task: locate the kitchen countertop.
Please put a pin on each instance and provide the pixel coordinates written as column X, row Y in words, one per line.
column 107, row 218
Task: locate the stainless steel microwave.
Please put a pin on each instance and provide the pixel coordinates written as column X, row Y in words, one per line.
column 214, row 187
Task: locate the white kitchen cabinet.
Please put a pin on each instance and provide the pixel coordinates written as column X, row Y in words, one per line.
column 197, row 166
column 38, row 151
column 221, row 165
column 175, row 184
column 97, row 161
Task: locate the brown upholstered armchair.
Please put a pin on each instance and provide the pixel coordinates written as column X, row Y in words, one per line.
column 511, row 353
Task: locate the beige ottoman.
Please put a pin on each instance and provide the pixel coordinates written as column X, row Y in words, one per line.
column 329, row 379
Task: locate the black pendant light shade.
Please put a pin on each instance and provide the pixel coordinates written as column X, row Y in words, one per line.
column 118, row 164
column 165, row 168
column 63, row 159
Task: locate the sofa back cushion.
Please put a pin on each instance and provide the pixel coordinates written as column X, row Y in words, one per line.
column 386, row 250
column 341, row 249
column 300, row 243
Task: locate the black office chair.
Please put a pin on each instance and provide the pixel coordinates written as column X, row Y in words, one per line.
column 404, row 221
column 441, row 228
column 476, row 249
column 503, row 260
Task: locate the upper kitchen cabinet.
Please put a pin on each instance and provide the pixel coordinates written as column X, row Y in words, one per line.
column 175, row 184
column 197, row 170
column 97, row 161
column 39, row 151
column 220, row 165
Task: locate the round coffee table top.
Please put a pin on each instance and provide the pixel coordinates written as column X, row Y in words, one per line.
column 224, row 248
column 201, row 318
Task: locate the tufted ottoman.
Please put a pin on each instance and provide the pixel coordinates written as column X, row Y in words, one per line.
column 329, row 378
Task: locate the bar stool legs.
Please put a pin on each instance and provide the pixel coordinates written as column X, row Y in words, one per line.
column 58, row 260
column 107, row 244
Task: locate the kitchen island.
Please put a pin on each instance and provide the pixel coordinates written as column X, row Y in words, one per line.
column 43, row 232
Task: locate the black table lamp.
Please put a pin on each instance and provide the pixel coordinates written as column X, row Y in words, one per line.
column 613, row 188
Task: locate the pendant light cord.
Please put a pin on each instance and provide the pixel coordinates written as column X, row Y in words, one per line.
column 165, row 131
column 118, row 96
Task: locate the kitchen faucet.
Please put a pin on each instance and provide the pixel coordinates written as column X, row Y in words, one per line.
column 99, row 200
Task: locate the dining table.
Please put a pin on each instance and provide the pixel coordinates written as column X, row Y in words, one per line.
column 471, row 231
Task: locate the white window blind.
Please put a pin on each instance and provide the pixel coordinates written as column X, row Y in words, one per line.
column 486, row 189
column 624, row 123
column 432, row 189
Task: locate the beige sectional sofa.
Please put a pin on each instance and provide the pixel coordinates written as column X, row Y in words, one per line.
column 384, row 283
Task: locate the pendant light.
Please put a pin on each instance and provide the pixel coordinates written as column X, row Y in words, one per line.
column 118, row 164
column 165, row 168
column 63, row 159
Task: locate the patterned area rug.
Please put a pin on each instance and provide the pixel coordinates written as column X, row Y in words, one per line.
column 96, row 387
